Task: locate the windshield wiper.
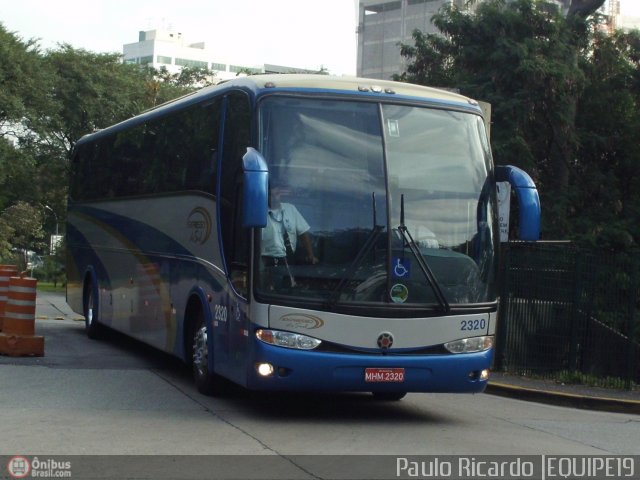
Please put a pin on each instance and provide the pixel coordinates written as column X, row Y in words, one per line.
column 362, row 253
column 422, row 263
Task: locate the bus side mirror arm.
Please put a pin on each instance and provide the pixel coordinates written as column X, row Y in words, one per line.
column 528, row 200
column 256, row 189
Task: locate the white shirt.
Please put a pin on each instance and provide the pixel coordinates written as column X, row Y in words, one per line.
column 286, row 216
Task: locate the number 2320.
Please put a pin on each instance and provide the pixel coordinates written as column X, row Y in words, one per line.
column 472, row 325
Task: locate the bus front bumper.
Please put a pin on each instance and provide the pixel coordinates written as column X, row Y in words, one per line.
column 308, row 370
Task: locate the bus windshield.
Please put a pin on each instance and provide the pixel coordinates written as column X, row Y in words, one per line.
column 375, row 204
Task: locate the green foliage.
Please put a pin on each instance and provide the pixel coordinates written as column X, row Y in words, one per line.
column 564, row 98
column 20, row 78
column 573, row 377
column 91, row 91
column 187, row 78
column 607, row 180
column 50, row 287
column 6, row 234
column 17, row 171
column 514, row 56
column 564, row 106
column 48, row 101
column 24, row 222
column 52, row 272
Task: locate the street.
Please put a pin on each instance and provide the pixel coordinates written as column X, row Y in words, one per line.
column 118, row 397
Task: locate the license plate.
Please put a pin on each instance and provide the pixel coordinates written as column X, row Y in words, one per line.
column 384, row 375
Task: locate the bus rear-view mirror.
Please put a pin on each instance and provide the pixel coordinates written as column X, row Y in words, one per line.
column 256, row 189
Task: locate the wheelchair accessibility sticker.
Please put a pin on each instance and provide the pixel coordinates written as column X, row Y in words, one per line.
column 401, row 267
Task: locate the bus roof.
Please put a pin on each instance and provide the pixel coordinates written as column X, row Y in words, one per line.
column 263, row 83
column 260, row 84
column 353, row 84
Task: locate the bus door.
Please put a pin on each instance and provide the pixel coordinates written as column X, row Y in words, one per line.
column 231, row 336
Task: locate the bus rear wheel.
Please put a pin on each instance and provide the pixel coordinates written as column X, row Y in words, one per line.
column 90, row 304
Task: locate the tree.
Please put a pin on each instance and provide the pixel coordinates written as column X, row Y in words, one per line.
column 17, row 174
column 187, row 79
column 576, row 36
column 90, row 91
column 25, row 221
column 522, row 57
column 95, row 90
column 606, row 207
column 583, row 8
column 21, row 78
column 85, row 91
column 6, row 233
column 48, row 101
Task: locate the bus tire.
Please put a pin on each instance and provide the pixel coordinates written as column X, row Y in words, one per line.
column 206, row 381
column 389, row 396
column 91, row 312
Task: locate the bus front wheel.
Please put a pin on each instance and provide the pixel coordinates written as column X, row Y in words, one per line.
column 204, row 379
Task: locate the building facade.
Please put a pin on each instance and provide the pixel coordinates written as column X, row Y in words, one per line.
column 384, row 24
column 168, row 49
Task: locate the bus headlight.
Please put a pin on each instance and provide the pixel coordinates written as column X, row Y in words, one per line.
column 287, row 339
column 470, row 345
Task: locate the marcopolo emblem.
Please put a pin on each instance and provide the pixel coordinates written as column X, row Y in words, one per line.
column 385, row 340
column 199, row 222
column 300, row 320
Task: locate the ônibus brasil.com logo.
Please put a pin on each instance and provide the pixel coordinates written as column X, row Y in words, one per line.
column 19, row 467
column 23, row 467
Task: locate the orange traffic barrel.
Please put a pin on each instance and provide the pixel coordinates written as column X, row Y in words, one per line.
column 6, row 272
column 17, row 337
column 20, row 310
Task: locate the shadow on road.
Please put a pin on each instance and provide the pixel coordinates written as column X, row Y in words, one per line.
column 279, row 406
column 67, row 346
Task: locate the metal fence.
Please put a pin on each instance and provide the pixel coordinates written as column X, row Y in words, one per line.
column 570, row 313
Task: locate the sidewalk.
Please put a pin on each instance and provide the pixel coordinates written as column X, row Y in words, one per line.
column 52, row 307
column 568, row 395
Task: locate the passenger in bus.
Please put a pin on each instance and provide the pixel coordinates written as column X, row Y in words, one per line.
column 285, row 225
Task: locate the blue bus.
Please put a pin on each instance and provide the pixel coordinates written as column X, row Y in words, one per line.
column 294, row 232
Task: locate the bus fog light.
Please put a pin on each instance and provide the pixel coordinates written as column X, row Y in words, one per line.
column 264, row 369
column 484, row 374
column 470, row 345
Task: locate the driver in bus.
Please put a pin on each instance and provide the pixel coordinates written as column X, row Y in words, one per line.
column 285, row 225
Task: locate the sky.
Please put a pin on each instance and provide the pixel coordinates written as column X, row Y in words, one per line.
column 306, row 34
column 630, row 8
column 296, row 33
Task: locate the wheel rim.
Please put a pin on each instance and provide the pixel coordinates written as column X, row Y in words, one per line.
column 200, row 352
column 90, row 309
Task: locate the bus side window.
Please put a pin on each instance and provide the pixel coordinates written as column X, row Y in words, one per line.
column 235, row 239
column 91, row 173
column 82, row 162
column 126, row 154
column 200, row 172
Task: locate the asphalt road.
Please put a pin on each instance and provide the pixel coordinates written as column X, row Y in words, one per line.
column 119, row 397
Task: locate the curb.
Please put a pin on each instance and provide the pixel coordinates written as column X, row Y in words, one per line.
column 564, row 399
column 59, row 317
